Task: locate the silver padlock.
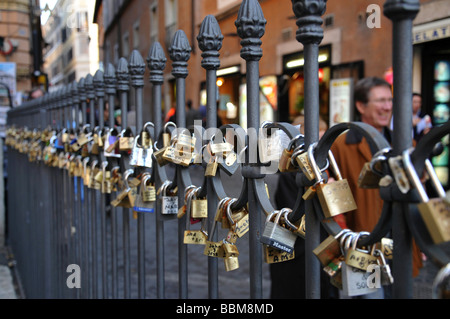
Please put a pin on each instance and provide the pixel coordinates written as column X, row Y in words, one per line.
column 277, row 236
column 136, row 153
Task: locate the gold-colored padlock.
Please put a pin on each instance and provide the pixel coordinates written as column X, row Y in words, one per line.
column 336, row 197
column 199, row 206
column 231, row 263
column 329, row 249
column 358, row 258
column 273, row 255
column 435, row 212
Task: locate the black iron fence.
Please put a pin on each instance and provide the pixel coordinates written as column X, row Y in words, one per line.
column 81, row 188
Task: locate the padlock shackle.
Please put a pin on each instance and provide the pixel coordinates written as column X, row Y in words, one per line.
column 412, row 175
column 334, row 165
column 434, row 179
column 312, row 161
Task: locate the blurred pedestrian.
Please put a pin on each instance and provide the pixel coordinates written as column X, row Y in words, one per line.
column 373, row 102
column 421, row 121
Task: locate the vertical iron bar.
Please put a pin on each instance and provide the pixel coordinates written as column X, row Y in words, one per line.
column 310, row 34
column 100, row 95
column 123, row 88
column 156, row 64
column 210, row 34
column 137, row 69
column 179, row 53
column 250, row 25
column 402, row 13
column 110, row 89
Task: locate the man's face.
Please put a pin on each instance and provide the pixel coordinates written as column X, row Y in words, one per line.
column 378, row 110
column 416, row 103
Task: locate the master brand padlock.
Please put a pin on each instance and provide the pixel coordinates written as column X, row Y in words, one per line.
column 277, row 236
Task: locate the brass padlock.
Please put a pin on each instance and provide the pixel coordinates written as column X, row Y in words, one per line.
column 231, row 263
column 359, row 258
column 199, row 205
column 435, row 212
column 211, row 167
column 329, row 249
column 213, row 248
column 273, row 255
column 336, row 197
column 196, row 237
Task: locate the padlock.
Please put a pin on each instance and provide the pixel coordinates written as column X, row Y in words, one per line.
column 387, row 247
column 199, row 205
column 169, row 203
column 229, row 163
column 122, row 199
column 269, row 146
column 106, row 179
column 336, row 197
column 435, row 212
column 177, row 154
column 273, row 255
column 277, row 236
column 285, row 163
column 126, row 140
column 302, row 160
column 371, row 174
column 196, row 237
column 385, row 270
column 299, row 229
column 225, row 156
column 112, row 143
column 158, row 154
column 145, row 202
column 211, row 167
column 231, row 263
column 359, row 258
column 330, row 248
column 213, row 248
column 146, row 140
column 238, row 220
column 137, row 153
column 354, row 281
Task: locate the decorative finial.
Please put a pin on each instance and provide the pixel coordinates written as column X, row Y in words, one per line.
column 250, row 26
column 180, row 52
column 210, row 42
column 156, row 62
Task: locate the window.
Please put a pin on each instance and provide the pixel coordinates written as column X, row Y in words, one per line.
column 125, row 44
column 153, row 23
column 136, row 35
column 82, row 23
column 116, row 53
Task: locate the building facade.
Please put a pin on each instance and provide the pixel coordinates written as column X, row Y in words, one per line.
column 72, row 45
column 357, row 43
column 20, row 46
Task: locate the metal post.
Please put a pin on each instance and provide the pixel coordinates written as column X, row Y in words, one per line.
column 137, row 68
column 210, row 34
column 180, row 52
column 250, row 28
column 123, row 88
column 156, row 64
column 110, row 89
column 402, row 13
column 99, row 87
column 310, row 34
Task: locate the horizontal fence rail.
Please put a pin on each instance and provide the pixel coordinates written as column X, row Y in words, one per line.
column 87, row 196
